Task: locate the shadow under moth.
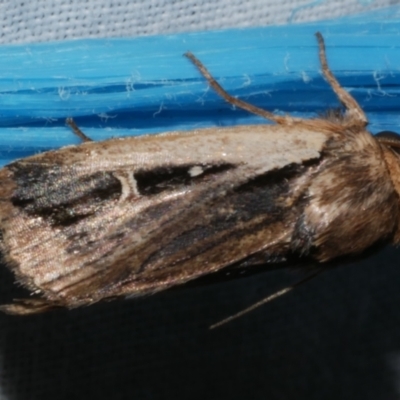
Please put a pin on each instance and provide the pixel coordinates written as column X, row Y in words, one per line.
column 133, row 216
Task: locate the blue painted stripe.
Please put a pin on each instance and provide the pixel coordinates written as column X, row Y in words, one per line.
column 119, row 87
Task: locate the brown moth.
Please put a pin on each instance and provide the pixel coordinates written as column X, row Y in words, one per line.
column 133, row 216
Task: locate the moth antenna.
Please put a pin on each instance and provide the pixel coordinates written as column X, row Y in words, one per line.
column 233, row 100
column 353, row 109
column 389, row 138
column 71, row 123
column 265, row 300
column 393, row 143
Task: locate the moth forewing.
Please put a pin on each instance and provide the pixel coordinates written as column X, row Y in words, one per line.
column 151, row 208
column 133, row 216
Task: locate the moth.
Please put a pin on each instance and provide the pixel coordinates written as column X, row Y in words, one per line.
column 134, row 216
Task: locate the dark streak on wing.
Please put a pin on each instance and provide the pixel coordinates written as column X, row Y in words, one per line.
column 52, row 194
column 248, row 207
column 160, row 179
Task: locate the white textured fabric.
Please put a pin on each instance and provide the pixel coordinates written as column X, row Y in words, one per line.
column 38, row 21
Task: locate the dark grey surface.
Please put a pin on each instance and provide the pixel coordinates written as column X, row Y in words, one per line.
column 336, row 337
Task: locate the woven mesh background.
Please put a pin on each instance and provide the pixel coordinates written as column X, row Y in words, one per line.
column 61, row 19
column 338, row 337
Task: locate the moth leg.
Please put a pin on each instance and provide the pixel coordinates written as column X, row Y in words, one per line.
column 265, row 300
column 233, row 100
column 71, row 123
column 353, row 110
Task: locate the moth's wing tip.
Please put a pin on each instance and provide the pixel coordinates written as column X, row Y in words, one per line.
column 27, row 307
